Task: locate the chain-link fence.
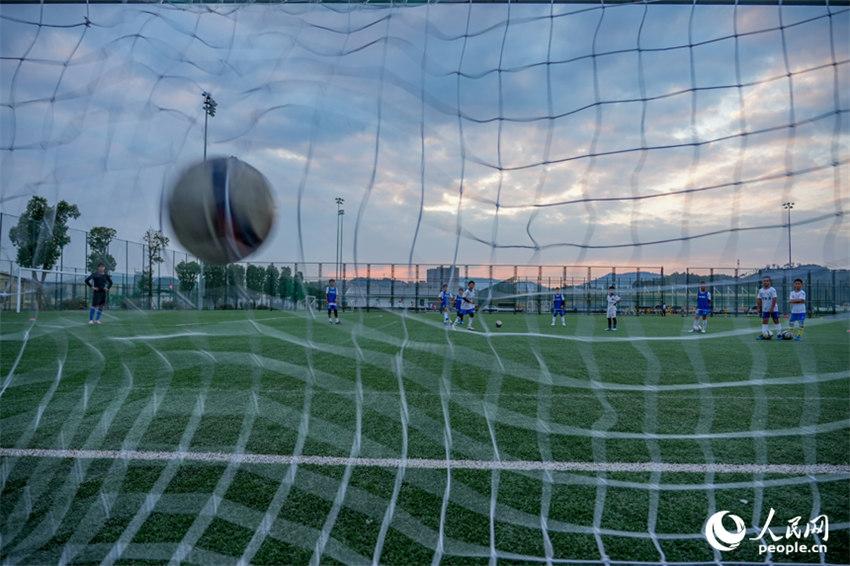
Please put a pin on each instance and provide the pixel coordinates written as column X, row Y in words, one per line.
column 297, row 285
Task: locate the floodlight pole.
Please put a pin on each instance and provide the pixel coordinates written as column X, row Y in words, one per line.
column 788, row 206
column 209, row 110
column 340, row 214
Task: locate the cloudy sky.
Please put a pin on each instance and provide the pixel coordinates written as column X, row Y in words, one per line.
column 557, row 134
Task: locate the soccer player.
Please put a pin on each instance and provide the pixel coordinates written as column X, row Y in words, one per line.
column 769, row 309
column 100, row 282
column 558, row 307
column 445, row 297
column 613, row 301
column 797, row 299
column 459, row 306
column 467, row 305
column 330, row 298
column 703, row 308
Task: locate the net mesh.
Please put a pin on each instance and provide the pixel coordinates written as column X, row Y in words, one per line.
column 462, row 134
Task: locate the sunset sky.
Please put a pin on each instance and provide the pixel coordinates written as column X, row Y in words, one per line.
column 443, row 127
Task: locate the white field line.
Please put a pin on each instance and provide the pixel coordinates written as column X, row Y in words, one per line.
column 429, row 464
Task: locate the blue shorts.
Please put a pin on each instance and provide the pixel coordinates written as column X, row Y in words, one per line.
column 766, row 315
column 466, row 311
column 800, row 316
column 332, row 308
column 557, row 312
column 703, row 312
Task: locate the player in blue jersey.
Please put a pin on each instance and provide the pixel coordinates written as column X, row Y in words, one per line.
column 100, row 282
column 445, row 298
column 558, row 307
column 459, row 306
column 703, row 308
column 331, row 298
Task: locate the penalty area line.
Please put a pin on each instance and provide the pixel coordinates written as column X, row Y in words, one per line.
column 425, row 463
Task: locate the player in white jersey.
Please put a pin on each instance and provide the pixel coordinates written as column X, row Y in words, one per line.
column 467, row 306
column 613, row 301
column 797, row 298
column 769, row 308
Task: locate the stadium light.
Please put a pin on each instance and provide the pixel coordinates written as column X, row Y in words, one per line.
column 340, row 214
column 788, row 206
column 209, row 110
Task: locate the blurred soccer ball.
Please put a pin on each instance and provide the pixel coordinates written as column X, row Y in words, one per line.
column 221, row 210
column 498, row 324
column 767, row 334
column 787, row 335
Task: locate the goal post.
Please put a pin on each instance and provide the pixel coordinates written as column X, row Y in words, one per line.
column 53, row 277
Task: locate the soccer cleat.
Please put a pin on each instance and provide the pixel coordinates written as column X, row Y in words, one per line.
column 779, row 336
column 97, row 322
column 702, row 331
column 553, row 324
column 470, row 328
column 692, row 330
column 608, row 329
column 91, row 322
column 798, row 338
column 563, row 324
column 615, row 329
column 337, row 321
column 761, row 337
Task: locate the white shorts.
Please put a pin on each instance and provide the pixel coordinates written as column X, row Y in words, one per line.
column 612, row 312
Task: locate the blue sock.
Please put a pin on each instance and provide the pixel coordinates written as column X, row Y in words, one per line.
column 91, row 314
column 99, row 312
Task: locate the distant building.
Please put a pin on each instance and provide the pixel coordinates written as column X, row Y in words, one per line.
column 443, row 274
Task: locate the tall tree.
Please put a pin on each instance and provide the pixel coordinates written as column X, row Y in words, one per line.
column 235, row 275
column 271, row 282
column 215, row 277
column 187, row 274
column 99, row 239
column 40, row 235
column 155, row 242
column 255, row 278
column 285, row 284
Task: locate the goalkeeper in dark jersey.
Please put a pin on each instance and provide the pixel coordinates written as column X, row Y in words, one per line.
column 100, row 282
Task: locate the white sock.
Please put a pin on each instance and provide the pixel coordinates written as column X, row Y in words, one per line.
column 704, row 324
column 763, row 328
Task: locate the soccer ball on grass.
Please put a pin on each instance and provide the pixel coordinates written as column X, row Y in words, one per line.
column 498, row 324
column 221, row 210
column 767, row 334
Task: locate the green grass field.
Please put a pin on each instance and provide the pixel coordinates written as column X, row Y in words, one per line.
column 275, row 438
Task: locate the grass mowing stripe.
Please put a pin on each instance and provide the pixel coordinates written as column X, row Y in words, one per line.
column 265, row 526
column 650, row 425
column 428, row 464
column 404, row 417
